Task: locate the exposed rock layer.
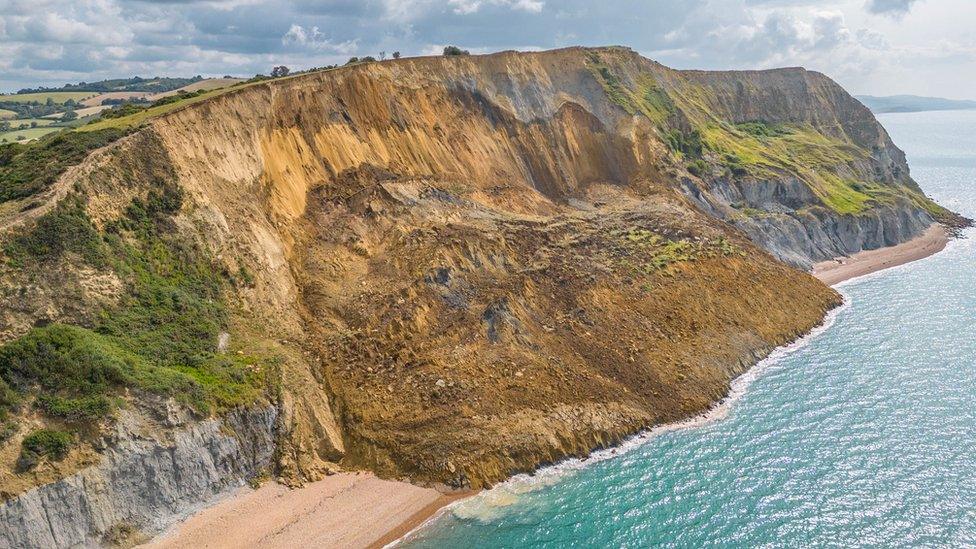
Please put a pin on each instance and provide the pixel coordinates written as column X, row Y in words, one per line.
column 143, row 483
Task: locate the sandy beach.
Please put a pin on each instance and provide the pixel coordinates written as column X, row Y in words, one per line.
column 835, row 271
column 346, row 510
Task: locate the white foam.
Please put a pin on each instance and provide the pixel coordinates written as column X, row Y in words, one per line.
column 490, row 504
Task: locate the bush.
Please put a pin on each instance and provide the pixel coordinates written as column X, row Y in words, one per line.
column 734, row 165
column 688, row 144
column 698, row 168
column 91, row 408
column 761, row 129
column 66, row 228
column 43, row 443
column 123, row 111
column 454, row 50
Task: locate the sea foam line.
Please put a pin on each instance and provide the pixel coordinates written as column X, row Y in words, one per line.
column 507, row 492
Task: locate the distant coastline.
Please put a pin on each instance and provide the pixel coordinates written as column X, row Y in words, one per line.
column 913, row 103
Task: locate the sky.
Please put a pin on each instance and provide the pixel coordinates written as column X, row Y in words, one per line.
column 881, row 47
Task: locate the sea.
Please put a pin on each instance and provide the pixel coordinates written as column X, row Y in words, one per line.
column 863, row 434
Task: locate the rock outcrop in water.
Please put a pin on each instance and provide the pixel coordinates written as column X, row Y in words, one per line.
column 442, row 269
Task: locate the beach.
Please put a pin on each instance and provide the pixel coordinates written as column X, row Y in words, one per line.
column 342, row 510
column 835, row 271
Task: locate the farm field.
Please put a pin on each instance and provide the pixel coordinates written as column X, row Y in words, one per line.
column 58, row 97
column 5, row 114
column 87, row 111
column 97, row 99
column 28, row 134
column 20, row 123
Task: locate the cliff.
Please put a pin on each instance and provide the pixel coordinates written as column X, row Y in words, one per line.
column 441, row 269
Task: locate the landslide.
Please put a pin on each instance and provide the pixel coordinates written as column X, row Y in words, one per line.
column 449, row 269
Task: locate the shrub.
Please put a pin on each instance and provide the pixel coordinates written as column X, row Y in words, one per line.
column 698, row 168
column 90, row 408
column 123, row 111
column 66, row 228
column 761, row 129
column 454, row 50
column 43, row 443
column 688, row 144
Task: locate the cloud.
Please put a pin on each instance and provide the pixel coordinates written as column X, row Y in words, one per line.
column 47, row 42
column 313, row 38
column 896, row 8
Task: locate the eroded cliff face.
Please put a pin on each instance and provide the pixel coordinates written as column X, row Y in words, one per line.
column 457, row 269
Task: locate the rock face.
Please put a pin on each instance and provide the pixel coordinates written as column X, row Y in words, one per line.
column 143, row 484
column 467, row 267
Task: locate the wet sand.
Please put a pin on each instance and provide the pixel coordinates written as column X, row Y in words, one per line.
column 347, row 510
column 932, row 241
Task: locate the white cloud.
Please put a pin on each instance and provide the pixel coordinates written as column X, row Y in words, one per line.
column 313, row 38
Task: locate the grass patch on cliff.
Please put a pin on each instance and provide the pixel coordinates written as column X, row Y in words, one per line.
column 648, row 98
column 648, row 253
column 27, row 169
column 161, row 337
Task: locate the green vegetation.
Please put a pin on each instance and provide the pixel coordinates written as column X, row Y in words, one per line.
column 43, row 443
column 454, row 50
column 760, row 150
column 651, row 253
column 122, row 111
column 22, row 123
column 26, row 170
column 27, row 134
column 159, row 339
column 155, row 84
column 688, row 144
column 65, row 229
column 761, row 129
column 698, row 167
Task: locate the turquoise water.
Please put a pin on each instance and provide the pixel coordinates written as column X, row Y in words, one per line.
column 864, row 436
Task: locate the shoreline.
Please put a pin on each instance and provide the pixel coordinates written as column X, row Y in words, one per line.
column 835, row 271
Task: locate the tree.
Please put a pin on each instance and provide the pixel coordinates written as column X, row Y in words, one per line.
column 352, row 61
column 280, row 71
column 69, row 115
column 396, row 55
column 454, row 50
column 33, row 123
column 382, row 56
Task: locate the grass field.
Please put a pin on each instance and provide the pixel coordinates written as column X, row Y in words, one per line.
column 58, row 97
column 6, row 115
column 83, row 112
column 29, row 134
column 20, row 123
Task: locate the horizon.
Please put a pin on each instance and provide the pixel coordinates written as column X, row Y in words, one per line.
column 870, row 47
